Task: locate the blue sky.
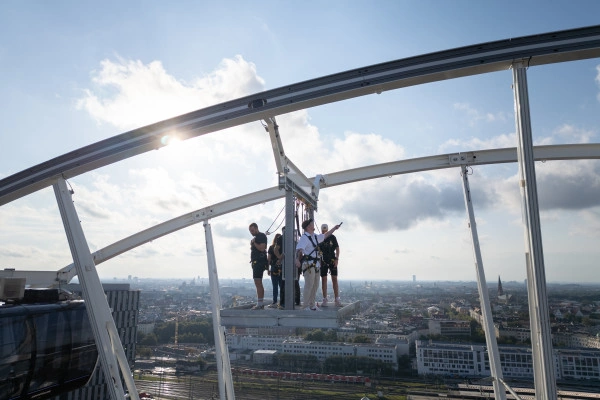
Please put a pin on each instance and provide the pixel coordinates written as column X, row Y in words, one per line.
column 74, row 73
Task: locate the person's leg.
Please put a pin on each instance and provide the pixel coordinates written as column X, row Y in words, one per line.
column 275, row 282
column 260, row 289
column 297, row 288
column 324, row 284
column 336, row 290
column 313, row 289
column 281, row 291
column 309, row 280
column 257, row 274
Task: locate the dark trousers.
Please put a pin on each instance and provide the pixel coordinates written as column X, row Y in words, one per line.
column 277, row 287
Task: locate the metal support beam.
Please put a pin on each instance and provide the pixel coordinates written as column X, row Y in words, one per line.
column 553, row 47
column 276, row 144
column 289, row 249
column 110, row 348
column 486, row 310
column 541, row 339
column 222, row 353
column 286, row 183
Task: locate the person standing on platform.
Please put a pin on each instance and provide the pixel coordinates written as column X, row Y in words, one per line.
column 331, row 254
column 274, row 260
column 307, row 258
column 258, row 261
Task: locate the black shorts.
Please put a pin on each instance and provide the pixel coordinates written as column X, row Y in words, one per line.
column 325, row 267
column 258, row 269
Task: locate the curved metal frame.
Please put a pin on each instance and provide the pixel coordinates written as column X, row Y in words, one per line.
column 569, row 45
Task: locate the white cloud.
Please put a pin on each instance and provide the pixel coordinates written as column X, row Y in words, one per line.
column 572, row 134
column 130, row 94
column 475, row 143
column 475, row 116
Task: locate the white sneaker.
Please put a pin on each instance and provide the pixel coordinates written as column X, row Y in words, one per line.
column 272, row 305
column 258, row 307
column 338, row 302
column 324, row 302
column 307, row 309
column 315, row 309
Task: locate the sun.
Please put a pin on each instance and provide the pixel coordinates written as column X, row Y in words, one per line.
column 172, row 146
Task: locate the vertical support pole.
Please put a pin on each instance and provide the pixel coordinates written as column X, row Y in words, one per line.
column 486, row 310
column 541, row 339
column 110, row 348
column 289, row 251
column 222, row 353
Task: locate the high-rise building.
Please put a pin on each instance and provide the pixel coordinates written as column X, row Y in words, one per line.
column 124, row 304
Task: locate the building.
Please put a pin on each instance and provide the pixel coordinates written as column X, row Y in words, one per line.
column 252, row 342
column 577, row 339
column 402, row 342
column 124, row 304
column 386, row 352
column 520, row 334
column 467, row 360
column 263, row 356
column 447, row 327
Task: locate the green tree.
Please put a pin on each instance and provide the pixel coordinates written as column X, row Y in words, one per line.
column 361, row 339
column 147, row 340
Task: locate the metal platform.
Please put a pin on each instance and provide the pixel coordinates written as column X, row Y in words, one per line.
column 328, row 317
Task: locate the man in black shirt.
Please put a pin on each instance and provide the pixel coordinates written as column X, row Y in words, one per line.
column 258, row 260
column 331, row 253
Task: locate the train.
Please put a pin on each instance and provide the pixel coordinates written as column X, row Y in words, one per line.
column 308, row 376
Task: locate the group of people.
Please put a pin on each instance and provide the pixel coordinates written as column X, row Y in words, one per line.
column 316, row 255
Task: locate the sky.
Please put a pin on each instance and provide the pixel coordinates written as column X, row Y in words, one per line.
column 77, row 72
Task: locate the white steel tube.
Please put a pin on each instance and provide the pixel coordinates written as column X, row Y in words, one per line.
column 101, row 320
column 486, row 310
column 222, row 353
column 541, row 339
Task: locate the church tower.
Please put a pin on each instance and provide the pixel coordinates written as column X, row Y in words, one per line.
column 500, row 291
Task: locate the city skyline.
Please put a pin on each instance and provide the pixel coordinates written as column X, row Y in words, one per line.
column 119, row 67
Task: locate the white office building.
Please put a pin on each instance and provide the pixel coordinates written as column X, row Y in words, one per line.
column 386, row 352
column 466, row 360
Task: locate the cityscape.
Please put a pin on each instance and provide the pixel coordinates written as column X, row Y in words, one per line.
column 402, row 330
column 439, row 144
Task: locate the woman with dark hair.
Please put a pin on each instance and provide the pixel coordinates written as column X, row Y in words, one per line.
column 274, row 259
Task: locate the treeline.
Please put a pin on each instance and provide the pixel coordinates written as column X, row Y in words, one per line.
column 318, row 335
column 199, row 331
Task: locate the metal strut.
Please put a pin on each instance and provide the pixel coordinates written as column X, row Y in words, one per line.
column 226, row 391
column 539, row 315
column 110, row 348
column 486, row 310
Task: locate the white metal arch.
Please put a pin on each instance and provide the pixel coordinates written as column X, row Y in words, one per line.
column 516, row 53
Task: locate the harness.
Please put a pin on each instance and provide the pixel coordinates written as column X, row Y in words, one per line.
column 308, row 259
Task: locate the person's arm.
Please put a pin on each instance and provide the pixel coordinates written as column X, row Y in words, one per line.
column 299, row 255
column 277, row 252
column 260, row 246
column 337, row 255
column 328, row 233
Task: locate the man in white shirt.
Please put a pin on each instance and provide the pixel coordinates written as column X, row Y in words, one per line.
column 308, row 258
